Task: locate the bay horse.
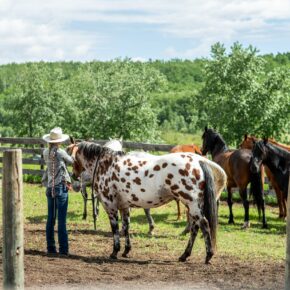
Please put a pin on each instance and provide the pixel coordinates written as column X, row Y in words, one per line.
column 248, row 143
column 236, row 164
column 123, row 181
column 276, row 159
column 184, row 148
column 86, row 180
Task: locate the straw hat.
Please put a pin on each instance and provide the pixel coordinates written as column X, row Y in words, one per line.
column 55, row 136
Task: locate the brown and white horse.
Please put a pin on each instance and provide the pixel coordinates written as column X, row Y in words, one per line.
column 146, row 181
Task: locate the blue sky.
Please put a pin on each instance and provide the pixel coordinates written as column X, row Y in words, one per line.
column 82, row 30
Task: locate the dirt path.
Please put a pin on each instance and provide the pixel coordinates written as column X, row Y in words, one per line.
column 89, row 267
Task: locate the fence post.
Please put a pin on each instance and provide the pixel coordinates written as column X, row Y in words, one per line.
column 287, row 274
column 12, row 217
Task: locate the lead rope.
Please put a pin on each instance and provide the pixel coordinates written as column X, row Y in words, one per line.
column 93, row 195
column 53, row 185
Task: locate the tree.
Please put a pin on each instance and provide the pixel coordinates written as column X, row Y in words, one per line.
column 113, row 100
column 240, row 97
column 31, row 105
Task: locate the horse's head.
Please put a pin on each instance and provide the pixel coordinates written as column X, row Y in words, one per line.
column 114, row 144
column 78, row 167
column 248, row 142
column 259, row 152
column 209, row 138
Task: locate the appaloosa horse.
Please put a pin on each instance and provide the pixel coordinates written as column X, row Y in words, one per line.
column 86, row 180
column 236, row 164
column 123, row 181
column 248, row 143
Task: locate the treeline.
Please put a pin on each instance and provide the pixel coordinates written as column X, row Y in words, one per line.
column 236, row 92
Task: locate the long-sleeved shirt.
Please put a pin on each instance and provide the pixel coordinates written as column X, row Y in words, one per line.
column 60, row 158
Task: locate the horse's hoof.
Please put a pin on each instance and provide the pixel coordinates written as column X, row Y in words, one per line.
column 264, row 226
column 113, row 257
column 245, row 226
column 150, row 233
column 208, row 258
column 125, row 255
column 182, row 258
column 231, row 222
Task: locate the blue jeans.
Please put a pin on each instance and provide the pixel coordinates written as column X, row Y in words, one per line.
column 57, row 207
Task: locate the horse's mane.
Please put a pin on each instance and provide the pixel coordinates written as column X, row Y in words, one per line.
column 274, row 149
column 91, row 150
column 283, row 146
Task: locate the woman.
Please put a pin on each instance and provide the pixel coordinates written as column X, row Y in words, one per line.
column 57, row 181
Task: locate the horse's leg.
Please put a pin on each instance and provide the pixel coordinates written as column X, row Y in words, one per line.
column 126, row 224
column 150, row 221
column 193, row 233
column 113, row 216
column 85, row 197
column 97, row 208
column 244, row 197
column 230, row 205
column 178, row 209
column 204, row 226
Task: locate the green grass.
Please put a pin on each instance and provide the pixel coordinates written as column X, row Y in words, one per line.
column 173, row 137
column 255, row 242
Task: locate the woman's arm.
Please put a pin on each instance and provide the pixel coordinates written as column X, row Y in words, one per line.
column 66, row 157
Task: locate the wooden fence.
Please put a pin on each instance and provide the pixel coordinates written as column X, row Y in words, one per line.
column 32, row 149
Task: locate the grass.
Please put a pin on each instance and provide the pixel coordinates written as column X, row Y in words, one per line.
column 173, row 137
column 262, row 244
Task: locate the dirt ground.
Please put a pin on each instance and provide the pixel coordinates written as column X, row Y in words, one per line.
column 89, row 267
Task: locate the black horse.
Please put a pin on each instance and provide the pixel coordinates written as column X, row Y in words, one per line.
column 276, row 158
column 236, row 164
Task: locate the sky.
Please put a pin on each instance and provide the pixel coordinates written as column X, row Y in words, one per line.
column 84, row 30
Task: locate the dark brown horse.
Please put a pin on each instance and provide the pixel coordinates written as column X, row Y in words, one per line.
column 248, row 143
column 236, row 164
column 184, row 148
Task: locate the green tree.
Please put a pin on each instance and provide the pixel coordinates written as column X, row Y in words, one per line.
column 113, row 100
column 240, row 97
column 31, row 105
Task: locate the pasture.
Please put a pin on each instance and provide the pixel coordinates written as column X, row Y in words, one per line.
column 246, row 259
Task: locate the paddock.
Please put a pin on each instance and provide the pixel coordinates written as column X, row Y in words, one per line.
column 246, row 259
column 251, row 259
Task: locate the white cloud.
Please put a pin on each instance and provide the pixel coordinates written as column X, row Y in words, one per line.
column 34, row 30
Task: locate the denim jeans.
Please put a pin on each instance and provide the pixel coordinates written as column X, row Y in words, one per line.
column 57, row 207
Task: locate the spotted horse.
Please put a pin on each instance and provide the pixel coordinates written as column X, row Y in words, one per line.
column 85, row 180
column 123, row 181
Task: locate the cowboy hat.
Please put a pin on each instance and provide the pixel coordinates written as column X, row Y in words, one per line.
column 55, row 136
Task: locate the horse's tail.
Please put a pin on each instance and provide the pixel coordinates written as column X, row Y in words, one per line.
column 220, row 177
column 210, row 203
column 256, row 189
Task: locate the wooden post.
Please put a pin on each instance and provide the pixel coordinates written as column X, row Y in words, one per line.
column 12, row 203
column 41, row 157
column 287, row 274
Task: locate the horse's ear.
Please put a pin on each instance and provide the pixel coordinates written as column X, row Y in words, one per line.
column 265, row 139
column 121, row 140
column 110, row 139
column 245, row 136
column 72, row 140
column 205, row 129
